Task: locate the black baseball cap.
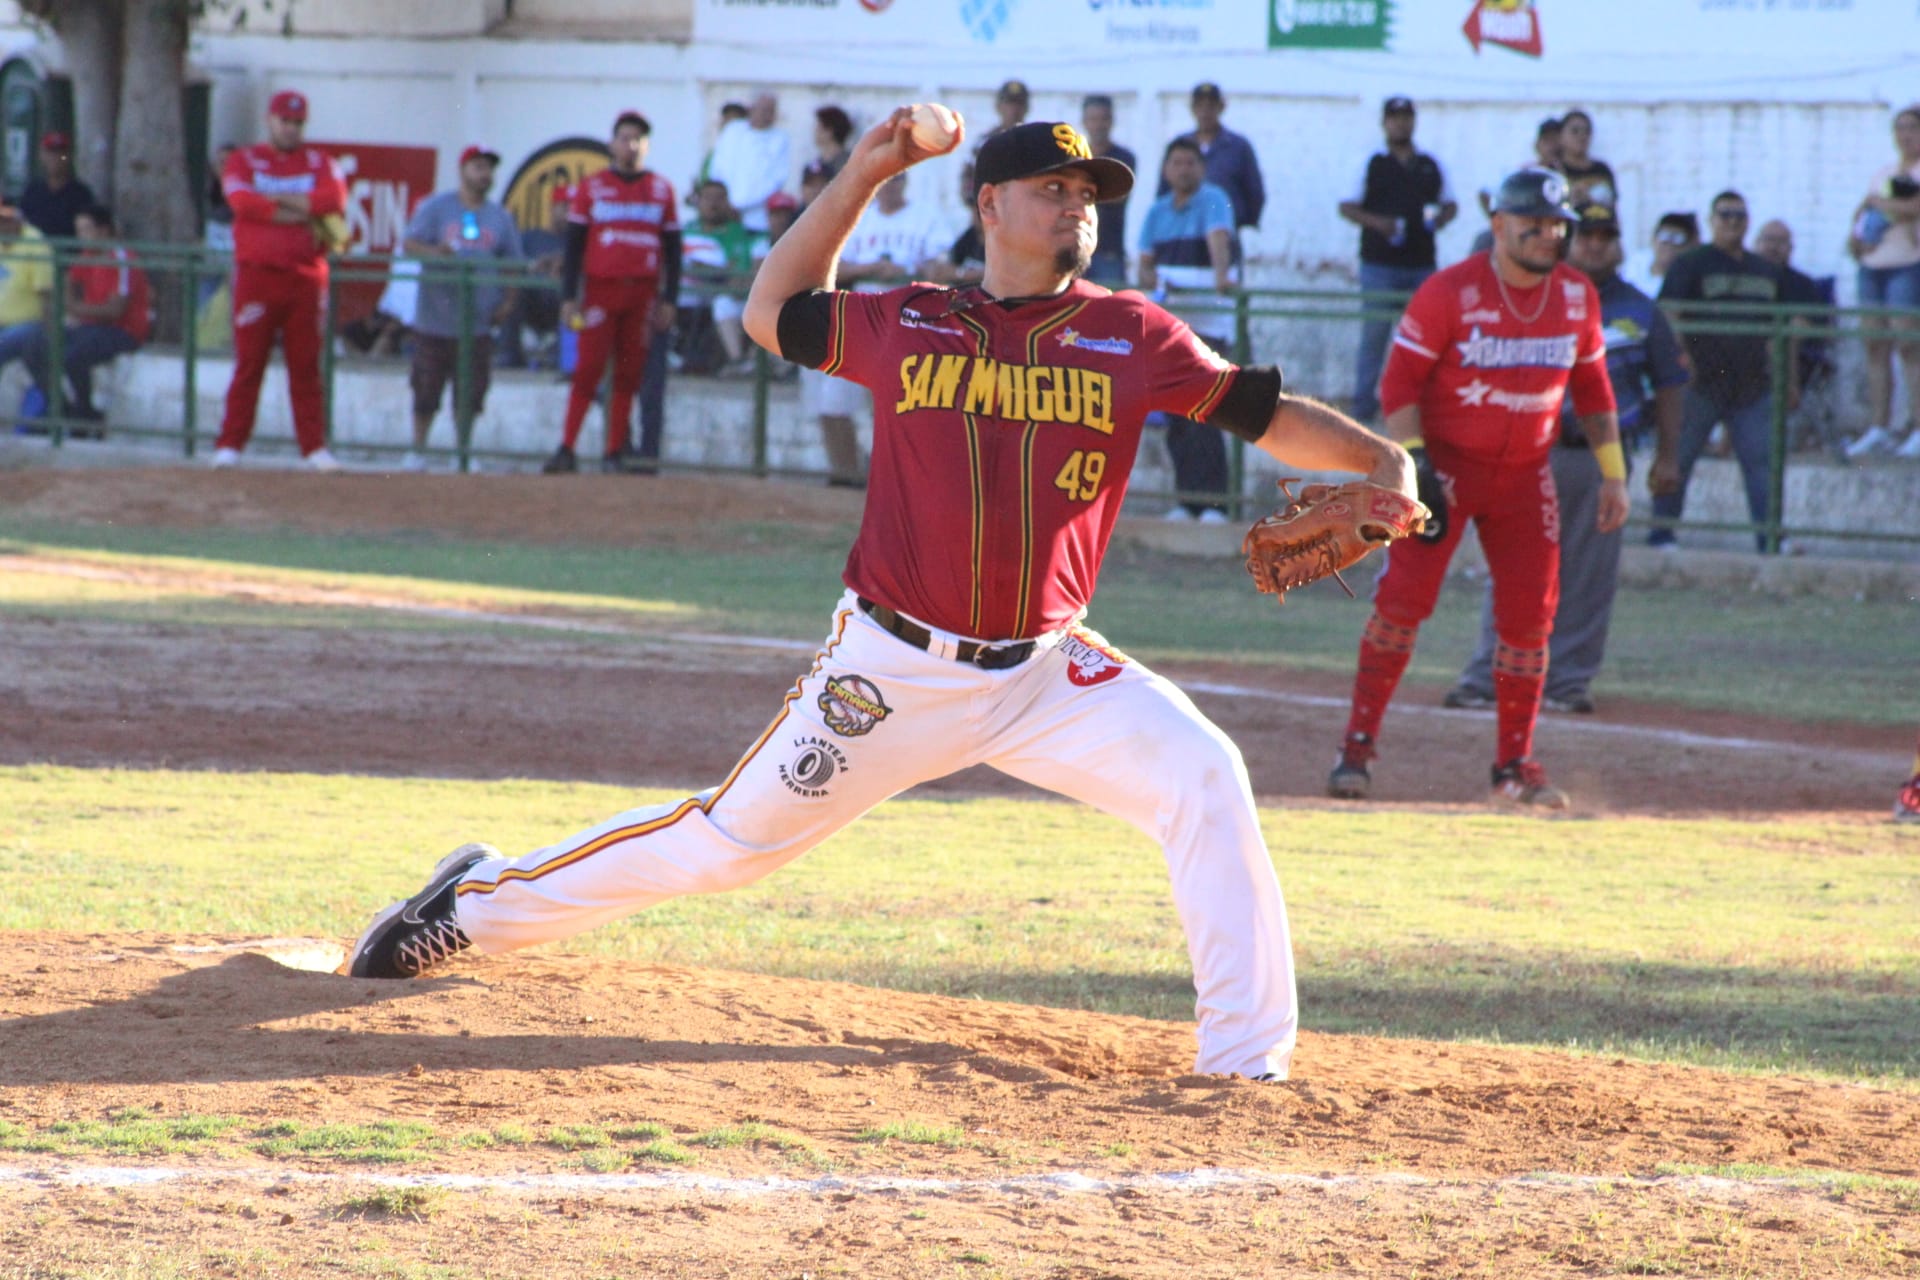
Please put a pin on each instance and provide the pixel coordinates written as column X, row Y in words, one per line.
column 1599, row 220
column 1534, row 193
column 1208, row 89
column 1013, row 91
column 1397, row 106
column 1042, row 146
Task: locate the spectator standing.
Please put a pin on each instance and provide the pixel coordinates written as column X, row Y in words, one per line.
column 458, row 226
column 1732, row 373
column 1675, row 233
column 832, row 127
column 1885, row 241
column 1186, row 242
column 109, row 312
column 287, row 200
column 1549, row 143
column 1809, row 359
column 729, row 112
column 53, row 200
column 1109, row 265
column 1400, row 204
column 754, row 159
column 895, row 241
column 618, row 283
column 1647, row 373
column 1231, row 163
column 1590, row 180
column 1010, row 104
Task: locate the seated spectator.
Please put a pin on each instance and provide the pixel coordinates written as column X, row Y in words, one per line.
column 109, row 313
column 26, row 283
column 813, row 180
column 966, row 261
column 716, row 262
column 54, row 200
column 782, row 210
column 1589, row 180
column 386, row 329
column 1810, row 365
column 538, row 312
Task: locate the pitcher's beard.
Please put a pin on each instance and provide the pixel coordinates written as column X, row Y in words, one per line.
column 1073, row 260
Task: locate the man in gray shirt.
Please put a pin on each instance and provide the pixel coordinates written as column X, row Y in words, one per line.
column 457, row 224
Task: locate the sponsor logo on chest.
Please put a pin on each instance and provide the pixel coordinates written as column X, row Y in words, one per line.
column 626, row 211
column 999, row 389
column 1487, row 351
column 282, row 184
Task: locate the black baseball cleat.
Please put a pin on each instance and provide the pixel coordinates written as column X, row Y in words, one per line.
column 560, row 463
column 1351, row 779
column 411, row 937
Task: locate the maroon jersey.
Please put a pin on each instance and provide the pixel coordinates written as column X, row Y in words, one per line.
column 253, row 176
column 1489, row 367
column 1003, row 440
column 625, row 216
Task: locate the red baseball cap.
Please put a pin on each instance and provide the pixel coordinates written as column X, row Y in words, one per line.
column 781, row 200
column 54, row 140
column 478, row 152
column 288, row 105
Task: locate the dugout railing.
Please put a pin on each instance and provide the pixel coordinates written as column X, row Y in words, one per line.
column 1302, row 329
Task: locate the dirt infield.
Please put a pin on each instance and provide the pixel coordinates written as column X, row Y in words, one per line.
column 1053, row 1143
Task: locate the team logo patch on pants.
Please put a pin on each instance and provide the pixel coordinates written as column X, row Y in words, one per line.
column 852, row 705
column 1090, row 659
column 814, row 764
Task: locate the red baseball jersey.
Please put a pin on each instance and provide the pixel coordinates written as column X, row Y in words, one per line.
column 625, row 216
column 253, row 177
column 1003, row 440
column 112, row 273
column 1489, row 367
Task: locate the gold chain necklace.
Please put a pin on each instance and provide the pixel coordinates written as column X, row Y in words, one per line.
column 1515, row 311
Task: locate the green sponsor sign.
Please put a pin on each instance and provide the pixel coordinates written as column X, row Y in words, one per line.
column 1328, row 24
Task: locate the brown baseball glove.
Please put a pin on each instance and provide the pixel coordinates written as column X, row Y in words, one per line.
column 1327, row 528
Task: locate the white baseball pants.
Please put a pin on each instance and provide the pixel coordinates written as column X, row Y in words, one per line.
column 875, row 716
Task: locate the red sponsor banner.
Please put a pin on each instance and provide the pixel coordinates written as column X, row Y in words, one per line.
column 384, row 186
column 1512, row 24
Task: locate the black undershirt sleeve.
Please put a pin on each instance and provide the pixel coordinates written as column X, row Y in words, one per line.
column 1247, row 408
column 670, row 249
column 806, row 320
column 576, row 257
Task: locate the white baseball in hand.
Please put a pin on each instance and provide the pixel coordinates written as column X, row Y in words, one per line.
column 935, row 129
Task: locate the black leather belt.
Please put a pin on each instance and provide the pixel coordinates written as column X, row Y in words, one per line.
column 988, row 657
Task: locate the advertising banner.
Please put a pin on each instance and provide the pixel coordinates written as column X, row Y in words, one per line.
column 384, row 185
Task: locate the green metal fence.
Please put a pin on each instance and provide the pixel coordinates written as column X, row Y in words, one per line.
column 1297, row 328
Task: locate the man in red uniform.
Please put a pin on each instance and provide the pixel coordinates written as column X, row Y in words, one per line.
column 280, row 192
column 1481, row 360
column 1007, row 418
column 624, row 234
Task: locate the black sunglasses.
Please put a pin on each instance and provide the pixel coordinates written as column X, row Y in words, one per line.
column 1731, row 215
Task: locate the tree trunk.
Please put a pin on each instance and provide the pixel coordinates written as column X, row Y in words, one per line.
column 150, row 163
column 90, row 35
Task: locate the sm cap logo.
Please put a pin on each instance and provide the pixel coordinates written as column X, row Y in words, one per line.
column 1072, row 142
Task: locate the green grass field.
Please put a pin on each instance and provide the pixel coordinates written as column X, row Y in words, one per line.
column 1768, row 946
column 1800, row 657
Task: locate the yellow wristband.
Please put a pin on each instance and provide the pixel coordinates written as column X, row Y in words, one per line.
column 1613, row 463
column 1411, row 445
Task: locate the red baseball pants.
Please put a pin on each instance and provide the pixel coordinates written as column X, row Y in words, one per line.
column 619, row 325
column 270, row 301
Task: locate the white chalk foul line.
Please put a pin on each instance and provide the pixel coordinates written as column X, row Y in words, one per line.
column 1202, row 1181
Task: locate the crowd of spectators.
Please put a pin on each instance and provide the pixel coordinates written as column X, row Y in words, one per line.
column 752, row 183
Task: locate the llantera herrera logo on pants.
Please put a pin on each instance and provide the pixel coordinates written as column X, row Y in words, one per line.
column 852, row 705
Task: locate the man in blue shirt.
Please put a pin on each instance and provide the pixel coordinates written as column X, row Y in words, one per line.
column 1186, row 243
column 1649, row 379
column 1231, row 163
column 458, row 224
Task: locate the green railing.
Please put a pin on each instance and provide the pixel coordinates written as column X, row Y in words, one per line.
column 1282, row 325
